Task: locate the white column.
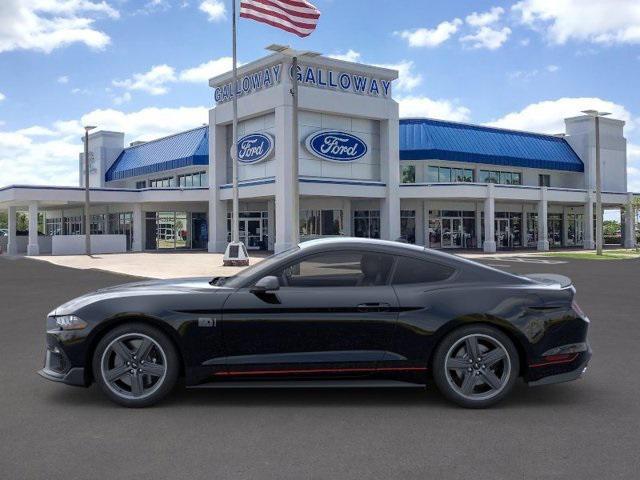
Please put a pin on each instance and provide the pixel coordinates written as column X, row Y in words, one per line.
column 138, row 221
column 489, row 245
column 218, row 209
column 271, row 229
column 390, row 174
column 589, row 241
column 543, row 240
column 284, row 178
column 629, row 224
column 425, row 222
column 33, row 248
column 478, row 226
column 347, row 217
column 12, row 245
column 565, row 227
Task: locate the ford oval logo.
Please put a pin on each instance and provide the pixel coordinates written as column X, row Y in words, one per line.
column 336, row 146
column 255, row 147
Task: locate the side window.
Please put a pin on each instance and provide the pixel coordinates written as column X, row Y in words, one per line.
column 338, row 269
column 411, row 270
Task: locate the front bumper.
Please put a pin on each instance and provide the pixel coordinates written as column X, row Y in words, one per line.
column 560, row 373
column 57, row 367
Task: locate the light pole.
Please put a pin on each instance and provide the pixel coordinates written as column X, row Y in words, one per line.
column 295, row 144
column 596, row 114
column 87, row 217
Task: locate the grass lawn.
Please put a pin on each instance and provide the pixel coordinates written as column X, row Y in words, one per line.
column 618, row 254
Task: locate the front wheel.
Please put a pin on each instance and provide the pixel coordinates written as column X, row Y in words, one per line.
column 135, row 365
column 476, row 366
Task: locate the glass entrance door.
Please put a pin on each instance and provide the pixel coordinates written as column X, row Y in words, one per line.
column 504, row 237
column 451, row 232
column 251, row 233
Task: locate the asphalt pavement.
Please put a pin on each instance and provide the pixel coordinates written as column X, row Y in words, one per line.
column 588, row 429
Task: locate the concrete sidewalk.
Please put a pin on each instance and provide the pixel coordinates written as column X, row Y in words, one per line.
column 202, row 264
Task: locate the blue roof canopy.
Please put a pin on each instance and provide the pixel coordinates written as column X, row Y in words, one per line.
column 426, row 139
column 183, row 149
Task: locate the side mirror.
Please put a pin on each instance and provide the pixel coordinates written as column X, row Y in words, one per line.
column 266, row 284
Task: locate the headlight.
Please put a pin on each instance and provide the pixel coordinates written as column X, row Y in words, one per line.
column 70, row 322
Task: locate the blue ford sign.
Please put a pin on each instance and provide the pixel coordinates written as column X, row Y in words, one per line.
column 255, row 147
column 336, row 146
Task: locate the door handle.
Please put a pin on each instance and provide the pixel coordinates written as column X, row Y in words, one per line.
column 374, row 307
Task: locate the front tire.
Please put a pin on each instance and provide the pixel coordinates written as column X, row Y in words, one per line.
column 135, row 365
column 476, row 366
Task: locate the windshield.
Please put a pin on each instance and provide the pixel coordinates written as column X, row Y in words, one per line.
column 262, row 267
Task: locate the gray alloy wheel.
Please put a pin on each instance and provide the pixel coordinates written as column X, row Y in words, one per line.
column 476, row 366
column 135, row 365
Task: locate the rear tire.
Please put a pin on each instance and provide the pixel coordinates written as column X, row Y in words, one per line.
column 136, row 365
column 476, row 366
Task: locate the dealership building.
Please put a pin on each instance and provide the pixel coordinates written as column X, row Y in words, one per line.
column 363, row 172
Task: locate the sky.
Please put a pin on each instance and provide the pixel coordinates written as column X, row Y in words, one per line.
column 141, row 66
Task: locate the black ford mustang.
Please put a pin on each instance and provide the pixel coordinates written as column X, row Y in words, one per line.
column 336, row 312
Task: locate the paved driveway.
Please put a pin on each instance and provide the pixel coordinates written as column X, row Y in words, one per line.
column 586, row 429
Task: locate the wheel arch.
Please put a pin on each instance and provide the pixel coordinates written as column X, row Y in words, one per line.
column 483, row 320
column 105, row 327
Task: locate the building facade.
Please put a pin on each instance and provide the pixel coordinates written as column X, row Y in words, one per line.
column 362, row 172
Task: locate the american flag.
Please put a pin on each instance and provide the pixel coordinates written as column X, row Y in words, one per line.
column 294, row 16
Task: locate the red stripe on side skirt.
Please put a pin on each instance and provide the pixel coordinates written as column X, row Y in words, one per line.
column 321, row 370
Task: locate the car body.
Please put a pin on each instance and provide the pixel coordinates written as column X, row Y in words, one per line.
column 4, row 232
column 333, row 312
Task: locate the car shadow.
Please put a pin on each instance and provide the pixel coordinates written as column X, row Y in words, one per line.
column 521, row 397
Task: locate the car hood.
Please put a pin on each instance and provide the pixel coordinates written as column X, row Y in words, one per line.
column 148, row 287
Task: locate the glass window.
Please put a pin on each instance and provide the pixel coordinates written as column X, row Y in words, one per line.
column 408, row 174
column 516, row 178
column 544, row 180
column 141, row 184
column 505, row 178
column 445, row 174
column 366, row 223
column 338, row 269
column 432, row 174
column 411, row 270
column 408, row 225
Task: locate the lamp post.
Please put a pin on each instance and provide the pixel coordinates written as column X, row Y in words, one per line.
column 295, row 145
column 596, row 114
column 87, row 217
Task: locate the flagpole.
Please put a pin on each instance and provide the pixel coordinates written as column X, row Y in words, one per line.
column 235, row 233
column 295, row 186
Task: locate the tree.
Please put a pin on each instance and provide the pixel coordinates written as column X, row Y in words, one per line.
column 3, row 220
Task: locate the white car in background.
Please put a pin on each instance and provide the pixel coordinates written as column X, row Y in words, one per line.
column 4, row 232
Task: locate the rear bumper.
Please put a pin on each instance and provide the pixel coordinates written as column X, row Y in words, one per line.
column 560, row 373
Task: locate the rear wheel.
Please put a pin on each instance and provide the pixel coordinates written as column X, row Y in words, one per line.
column 135, row 365
column 476, row 366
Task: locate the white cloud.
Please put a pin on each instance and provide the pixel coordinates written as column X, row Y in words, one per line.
column 349, row 56
column 2, row 96
column 424, row 37
column 203, row 72
column 154, row 81
column 214, row 9
column 552, row 68
column 48, row 155
column 595, row 21
column 525, row 42
column 420, row 106
column 407, row 78
column 527, row 75
column 486, row 18
column 548, row 116
column 120, row 99
column 45, row 25
column 487, row 37
column 63, row 79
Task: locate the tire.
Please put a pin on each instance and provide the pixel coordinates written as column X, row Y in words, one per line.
column 476, row 384
column 135, row 365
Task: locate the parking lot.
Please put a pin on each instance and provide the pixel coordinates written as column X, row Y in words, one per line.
column 585, row 429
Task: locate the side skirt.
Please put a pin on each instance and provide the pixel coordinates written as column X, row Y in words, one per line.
column 311, row 384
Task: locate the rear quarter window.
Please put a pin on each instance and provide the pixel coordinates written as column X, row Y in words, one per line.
column 411, row 270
